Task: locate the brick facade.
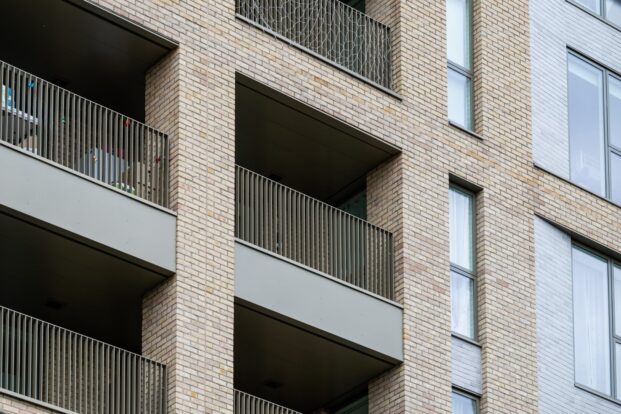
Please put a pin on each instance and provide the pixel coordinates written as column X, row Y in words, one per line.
column 188, row 321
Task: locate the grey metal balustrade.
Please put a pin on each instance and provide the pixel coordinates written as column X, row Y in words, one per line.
column 83, row 136
column 43, row 362
column 249, row 404
column 330, row 29
column 313, row 233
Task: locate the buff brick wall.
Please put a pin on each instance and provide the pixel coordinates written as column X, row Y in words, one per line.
column 195, row 308
column 214, row 45
column 9, row 405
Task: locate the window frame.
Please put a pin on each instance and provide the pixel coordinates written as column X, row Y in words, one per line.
column 470, row 274
column 610, row 149
column 601, row 16
column 613, row 337
column 469, row 395
column 467, row 73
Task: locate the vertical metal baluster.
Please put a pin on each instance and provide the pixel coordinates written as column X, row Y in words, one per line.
column 55, row 367
column 161, row 169
column 81, row 155
column 29, row 115
column 29, row 362
column 71, row 139
column 167, row 172
column 4, row 334
column 152, row 178
column 20, row 99
column 48, row 369
column 107, row 148
column 97, row 141
column 62, row 127
column 12, row 353
column 3, row 105
column 128, row 177
column 11, row 105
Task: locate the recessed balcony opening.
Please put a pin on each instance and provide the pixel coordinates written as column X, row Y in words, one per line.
column 302, row 148
column 314, row 316
column 70, row 323
column 82, row 48
column 60, row 280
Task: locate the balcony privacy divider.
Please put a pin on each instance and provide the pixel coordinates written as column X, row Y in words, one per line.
column 81, row 135
column 313, row 233
column 249, row 404
column 330, row 29
column 44, row 362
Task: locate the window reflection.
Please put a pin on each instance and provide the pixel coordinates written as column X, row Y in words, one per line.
column 586, row 125
column 591, row 321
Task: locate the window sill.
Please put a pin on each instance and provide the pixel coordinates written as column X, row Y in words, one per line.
column 465, row 339
column 594, row 14
column 597, row 394
column 466, row 130
column 568, row 181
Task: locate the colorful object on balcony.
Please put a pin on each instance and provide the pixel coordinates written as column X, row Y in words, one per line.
column 62, row 119
column 31, row 84
column 7, row 97
column 124, row 187
column 127, row 122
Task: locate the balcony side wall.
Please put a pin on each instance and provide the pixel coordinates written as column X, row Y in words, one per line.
column 388, row 12
column 384, row 209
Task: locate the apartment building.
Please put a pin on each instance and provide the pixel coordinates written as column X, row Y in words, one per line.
column 310, row 206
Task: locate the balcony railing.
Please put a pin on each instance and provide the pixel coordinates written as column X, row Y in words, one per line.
column 83, row 136
column 249, row 404
column 64, row 369
column 330, row 29
column 308, row 231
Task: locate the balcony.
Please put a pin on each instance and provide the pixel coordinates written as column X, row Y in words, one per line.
column 82, row 136
column 329, row 30
column 318, row 279
column 61, row 369
column 310, row 232
column 315, row 318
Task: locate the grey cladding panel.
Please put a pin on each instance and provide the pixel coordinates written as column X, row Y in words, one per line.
column 319, row 302
column 90, row 211
column 466, row 366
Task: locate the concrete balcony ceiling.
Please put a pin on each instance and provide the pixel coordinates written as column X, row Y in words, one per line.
column 81, row 47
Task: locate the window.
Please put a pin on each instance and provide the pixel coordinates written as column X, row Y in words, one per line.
column 607, row 9
column 594, row 95
column 459, row 51
column 461, row 231
column 464, row 404
column 597, row 322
